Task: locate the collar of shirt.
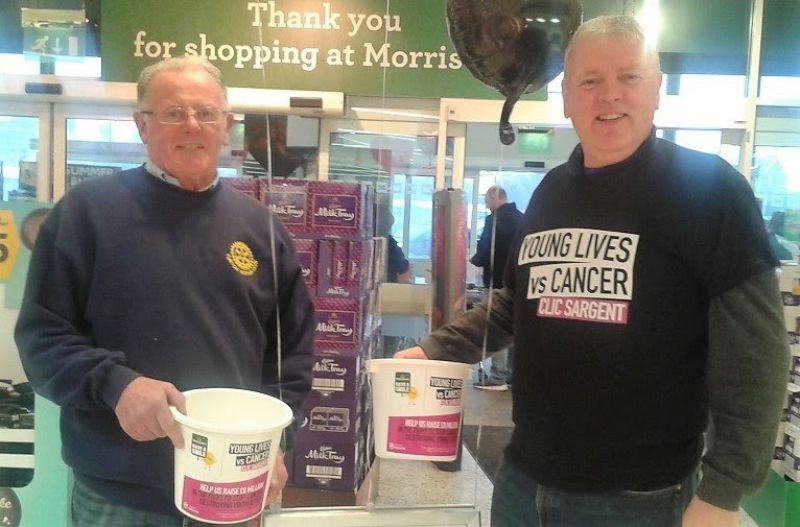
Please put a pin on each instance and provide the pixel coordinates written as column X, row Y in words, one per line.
column 157, row 172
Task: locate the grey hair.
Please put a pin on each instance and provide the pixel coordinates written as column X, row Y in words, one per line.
column 621, row 26
column 189, row 62
column 497, row 190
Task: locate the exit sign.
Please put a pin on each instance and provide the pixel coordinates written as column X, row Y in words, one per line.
column 64, row 41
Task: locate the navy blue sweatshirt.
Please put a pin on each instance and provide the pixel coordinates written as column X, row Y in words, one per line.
column 133, row 276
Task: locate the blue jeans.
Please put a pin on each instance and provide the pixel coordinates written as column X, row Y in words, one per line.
column 518, row 501
column 89, row 509
column 500, row 370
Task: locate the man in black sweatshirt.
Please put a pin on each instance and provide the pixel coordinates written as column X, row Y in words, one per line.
column 643, row 302
column 154, row 281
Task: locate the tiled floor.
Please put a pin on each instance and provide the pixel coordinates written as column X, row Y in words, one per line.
column 404, row 483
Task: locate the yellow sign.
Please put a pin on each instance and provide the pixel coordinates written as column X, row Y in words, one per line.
column 9, row 244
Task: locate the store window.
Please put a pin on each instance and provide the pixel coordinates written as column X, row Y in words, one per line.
column 776, row 173
column 518, row 168
column 97, row 147
column 777, row 187
column 709, row 141
column 697, row 85
column 19, row 157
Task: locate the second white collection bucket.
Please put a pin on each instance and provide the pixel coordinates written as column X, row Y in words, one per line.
column 417, row 407
column 230, row 439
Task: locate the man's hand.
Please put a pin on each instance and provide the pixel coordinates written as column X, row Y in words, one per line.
column 278, row 480
column 702, row 514
column 411, row 353
column 143, row 410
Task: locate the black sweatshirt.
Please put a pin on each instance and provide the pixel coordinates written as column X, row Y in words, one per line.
column 641, row 297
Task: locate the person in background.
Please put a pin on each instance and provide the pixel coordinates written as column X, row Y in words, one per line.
column 642, row 299
column 492, row 252
column 153, row 281
column 398, row 271
column 398, row 267
column 782, row 248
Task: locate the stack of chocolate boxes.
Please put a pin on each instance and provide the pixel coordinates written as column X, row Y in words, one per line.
column 343, row 263
column 787, row 444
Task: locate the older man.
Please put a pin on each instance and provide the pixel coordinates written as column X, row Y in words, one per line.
column 491, row 254
column 642, row 299
column 152, row 281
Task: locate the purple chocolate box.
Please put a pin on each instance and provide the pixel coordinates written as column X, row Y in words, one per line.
column 333, row 264
column 379, row 260
column 307, row 254
column 326, row 463
column 288, row 199
column 340, row 257
column 359, row 273
column 321, row 418
column 339, row 324
column 338, row 209
column 336, row 378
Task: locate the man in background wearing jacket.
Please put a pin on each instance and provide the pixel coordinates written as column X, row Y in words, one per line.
column 492, row 252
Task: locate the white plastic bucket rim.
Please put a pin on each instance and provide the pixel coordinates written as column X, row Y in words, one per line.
column 374, row 364
column 247, row 428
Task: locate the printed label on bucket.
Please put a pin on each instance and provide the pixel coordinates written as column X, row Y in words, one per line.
column 447, row 390
column 199, row 446
column 435, row 435
column 224, row 502
column 402, row 382
column 250, row 456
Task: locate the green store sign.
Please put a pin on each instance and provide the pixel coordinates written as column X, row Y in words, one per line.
column 359, row 47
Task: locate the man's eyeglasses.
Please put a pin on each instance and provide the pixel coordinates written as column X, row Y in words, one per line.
column 179, row 114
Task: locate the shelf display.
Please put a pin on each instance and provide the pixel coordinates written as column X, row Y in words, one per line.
column 778, row 502
column 333, row 228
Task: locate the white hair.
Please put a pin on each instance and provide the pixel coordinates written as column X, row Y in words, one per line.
column 189, row 62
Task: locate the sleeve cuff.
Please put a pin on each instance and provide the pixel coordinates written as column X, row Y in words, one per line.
column 119, row 377
column 718, row 490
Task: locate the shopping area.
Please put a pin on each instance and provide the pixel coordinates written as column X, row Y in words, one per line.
column 368, row 100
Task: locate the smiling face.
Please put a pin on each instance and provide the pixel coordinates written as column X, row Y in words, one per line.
column 610, row 93
column 188, row 150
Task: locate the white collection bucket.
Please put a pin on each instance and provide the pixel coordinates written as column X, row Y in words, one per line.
column 230, row 439
column 417, row 407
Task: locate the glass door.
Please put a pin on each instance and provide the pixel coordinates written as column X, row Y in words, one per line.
column 400, row 158
column 92, row 141
column 24, row 155
column 25, row 134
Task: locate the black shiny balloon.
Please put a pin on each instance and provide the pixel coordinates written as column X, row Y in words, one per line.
column 514, row 46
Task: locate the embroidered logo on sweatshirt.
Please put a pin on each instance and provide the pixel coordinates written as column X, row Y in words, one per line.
column 580, row 274
column 241, row 258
